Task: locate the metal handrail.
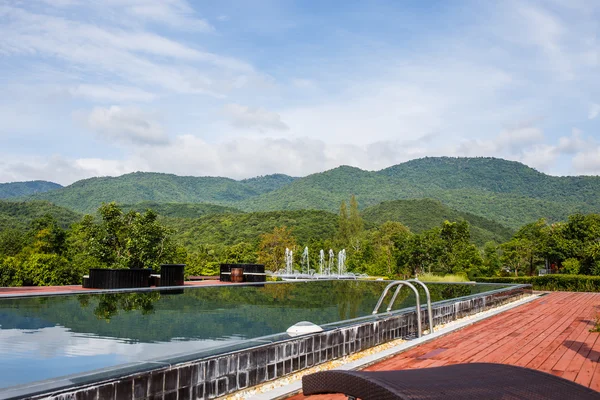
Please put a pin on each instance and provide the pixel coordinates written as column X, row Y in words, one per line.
column 400, row 284
column 429, row 313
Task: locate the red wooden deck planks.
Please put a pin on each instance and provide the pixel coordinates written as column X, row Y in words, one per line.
column 551, row 334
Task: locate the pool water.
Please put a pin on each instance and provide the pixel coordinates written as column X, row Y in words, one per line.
column 53, row 336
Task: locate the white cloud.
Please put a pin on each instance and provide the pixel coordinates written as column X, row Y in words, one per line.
column 519, row 137
column 175, row 13
column 245, row 117
column 588, row 161
column 594, row 111
column 574, row 143
column 130, row 55
column 127, row 125
column 111, row 93
column 245, row 157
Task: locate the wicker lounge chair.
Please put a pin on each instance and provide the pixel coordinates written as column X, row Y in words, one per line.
column 462, row 381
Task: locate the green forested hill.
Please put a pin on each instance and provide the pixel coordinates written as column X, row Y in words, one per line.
column 505, row 191
column 307, row 227
column 18, row 215
column 180, row 210
column 423, row 214
column 86, row 195
column 20, row 189
column 267, row 183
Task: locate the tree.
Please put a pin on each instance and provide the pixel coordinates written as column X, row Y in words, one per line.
column 534, row 237
column 12, row 242
column 491, row 259
column 515, row 254
column 458, row 253
column 127, row 240
column 389, row 240
column 46, row 236
column 355, row 221
column 271, row 249
column 343, row 234
column 355, row 225
column 423, row 251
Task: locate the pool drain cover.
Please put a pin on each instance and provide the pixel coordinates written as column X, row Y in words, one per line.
column 303, row 328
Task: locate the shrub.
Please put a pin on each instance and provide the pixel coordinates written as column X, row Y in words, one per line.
column 10, row 272
column 570, row 283
column 571, row 266
column 445, row 278
column 51, row 269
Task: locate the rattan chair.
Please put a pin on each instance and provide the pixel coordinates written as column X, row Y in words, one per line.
column 462, row 381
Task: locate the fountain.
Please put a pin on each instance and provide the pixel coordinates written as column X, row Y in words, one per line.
column 331, row 262
column 342, row 262
column 289, row 262
column 321, row 261
column 327, row 268
column 305, row 262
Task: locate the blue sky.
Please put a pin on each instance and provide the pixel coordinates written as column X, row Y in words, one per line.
column 247, row 88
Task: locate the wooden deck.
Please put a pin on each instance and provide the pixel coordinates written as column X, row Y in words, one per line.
column 551, row 334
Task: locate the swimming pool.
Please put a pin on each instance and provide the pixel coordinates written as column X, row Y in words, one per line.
column 47, row 337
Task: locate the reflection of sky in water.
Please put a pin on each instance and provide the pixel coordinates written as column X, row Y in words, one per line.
column 50, row 337
column 31, row 355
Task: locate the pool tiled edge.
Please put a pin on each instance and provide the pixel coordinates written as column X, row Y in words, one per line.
column 219, row 375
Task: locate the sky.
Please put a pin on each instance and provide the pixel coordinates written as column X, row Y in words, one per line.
column 248, row 88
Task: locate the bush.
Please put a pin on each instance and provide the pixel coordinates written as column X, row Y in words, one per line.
column 446, row 278
column 51, row 269
column 569, row 283
column 571, row 266
column 10, row 274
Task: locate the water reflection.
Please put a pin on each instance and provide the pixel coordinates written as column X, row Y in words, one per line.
column 45, row 337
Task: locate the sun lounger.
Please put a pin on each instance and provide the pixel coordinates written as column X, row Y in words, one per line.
column 461, row 381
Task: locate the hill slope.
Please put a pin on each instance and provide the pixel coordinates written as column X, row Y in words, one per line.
column 505, row 191
column 423, row 214
column 87, row 195
column 180, row 210
column 18, row 215
column 20, row 189
column 508, row 192
column 226, row 229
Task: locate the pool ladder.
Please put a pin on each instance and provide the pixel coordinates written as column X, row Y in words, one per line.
column 408, row 283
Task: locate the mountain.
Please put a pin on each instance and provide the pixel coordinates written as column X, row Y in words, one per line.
column 505, row 191
column 18, row 215
column 20, row 189
column 180, row 210
column 88, row 194
column 423, row 214
column 268, row 183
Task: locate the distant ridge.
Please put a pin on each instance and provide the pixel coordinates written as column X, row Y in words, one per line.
column 19, row 214
column 508, row 192
column 87, row 195
column 423, row 214
column 20, row 189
